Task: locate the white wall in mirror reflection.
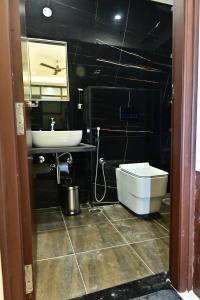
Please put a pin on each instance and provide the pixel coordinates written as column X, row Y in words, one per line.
column 48, row 70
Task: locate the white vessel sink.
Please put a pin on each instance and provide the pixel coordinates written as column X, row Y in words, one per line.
column 49, row 139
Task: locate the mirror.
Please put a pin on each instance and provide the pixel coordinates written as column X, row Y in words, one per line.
column 48, row 70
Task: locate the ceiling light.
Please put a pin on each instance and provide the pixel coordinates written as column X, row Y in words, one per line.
column 117, row 17
column 47, row 12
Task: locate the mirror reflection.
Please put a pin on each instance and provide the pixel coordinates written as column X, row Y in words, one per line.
column 48, row 70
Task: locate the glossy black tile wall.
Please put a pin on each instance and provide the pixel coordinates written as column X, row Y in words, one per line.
column 132, row 52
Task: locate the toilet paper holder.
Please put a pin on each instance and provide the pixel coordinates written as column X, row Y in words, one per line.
column 64, row 166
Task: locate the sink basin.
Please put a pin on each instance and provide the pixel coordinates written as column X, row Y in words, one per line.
column 49, row 139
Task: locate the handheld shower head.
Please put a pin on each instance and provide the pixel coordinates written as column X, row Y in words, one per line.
column 102, row 163
column 98, row 130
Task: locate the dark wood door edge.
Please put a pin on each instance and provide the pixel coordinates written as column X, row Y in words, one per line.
column 196, row 265
column 193, row 160
column 10, row 211
column 183, row 145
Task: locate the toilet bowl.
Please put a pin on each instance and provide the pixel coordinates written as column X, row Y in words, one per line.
column 141, row 187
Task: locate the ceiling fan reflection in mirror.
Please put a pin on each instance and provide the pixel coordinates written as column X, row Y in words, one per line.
column 56, row 69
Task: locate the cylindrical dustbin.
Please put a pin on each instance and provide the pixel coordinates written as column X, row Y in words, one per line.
column 70, row 201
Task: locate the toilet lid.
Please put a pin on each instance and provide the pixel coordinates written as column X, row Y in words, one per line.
column 142, row 170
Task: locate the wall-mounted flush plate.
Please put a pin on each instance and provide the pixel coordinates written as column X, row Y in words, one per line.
column 19, row 113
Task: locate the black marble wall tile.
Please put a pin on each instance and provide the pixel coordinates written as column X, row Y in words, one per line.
column 45, row 188
column 132, row 53
column 60, row 111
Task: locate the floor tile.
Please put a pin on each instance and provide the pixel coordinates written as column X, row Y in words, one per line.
column 164, row 220
column 86, row 217
column 117, row 212
column 155, row 254
column 138, row 230
column 58, row 279
column 53, row 244
column 165, row 208
column 85, row 205
column 94, row 236
column 49, row 221
column 47, row 209
column 110, row 267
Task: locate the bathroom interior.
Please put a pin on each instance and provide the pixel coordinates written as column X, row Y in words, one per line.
column 101, row 96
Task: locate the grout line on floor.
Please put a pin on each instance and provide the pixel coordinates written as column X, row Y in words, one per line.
column 52, row 258
column 158, row 223
column 77, row 226
column 48, row 208
column 124, row 219
column 131, row 247
column 99, row 249
column 121, row 245
column 130, row 218
column 103, row 222
column 50, row 230
column 46, row 212
column 149, row 240
column 74, row 253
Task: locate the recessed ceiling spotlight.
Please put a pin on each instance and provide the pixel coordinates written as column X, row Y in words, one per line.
column 117, row 17
column 47, row 12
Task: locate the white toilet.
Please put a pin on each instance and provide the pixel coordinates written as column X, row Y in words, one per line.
column 141, row 187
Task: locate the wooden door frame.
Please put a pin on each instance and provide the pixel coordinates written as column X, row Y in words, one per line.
column 185, row 57
column 183, row 157
column 11, row 241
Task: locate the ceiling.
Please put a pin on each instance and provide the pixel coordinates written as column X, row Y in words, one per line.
column 145, row 24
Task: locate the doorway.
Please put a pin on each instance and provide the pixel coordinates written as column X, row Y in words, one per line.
column 177, row 262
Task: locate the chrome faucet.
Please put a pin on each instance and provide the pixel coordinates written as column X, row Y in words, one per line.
column 52, row 124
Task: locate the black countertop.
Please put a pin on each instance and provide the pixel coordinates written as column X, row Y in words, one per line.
column 80, row 148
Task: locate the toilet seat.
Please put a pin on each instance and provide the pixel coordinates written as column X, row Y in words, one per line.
column 142, row 170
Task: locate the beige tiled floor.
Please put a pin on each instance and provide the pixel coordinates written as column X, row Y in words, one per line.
column 49, row 221
column 94, row 236
column 85, row 218
column 53, row 244
column 59, row 279
column 110, row 267
column 138, row 230
column 117, row 212
column 164, row 220
column 155, row 253
column 96, row 250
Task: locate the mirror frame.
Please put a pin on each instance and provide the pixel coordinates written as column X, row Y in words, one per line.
column 44, row 41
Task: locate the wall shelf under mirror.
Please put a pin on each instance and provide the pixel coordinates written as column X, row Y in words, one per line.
column 48, row 93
